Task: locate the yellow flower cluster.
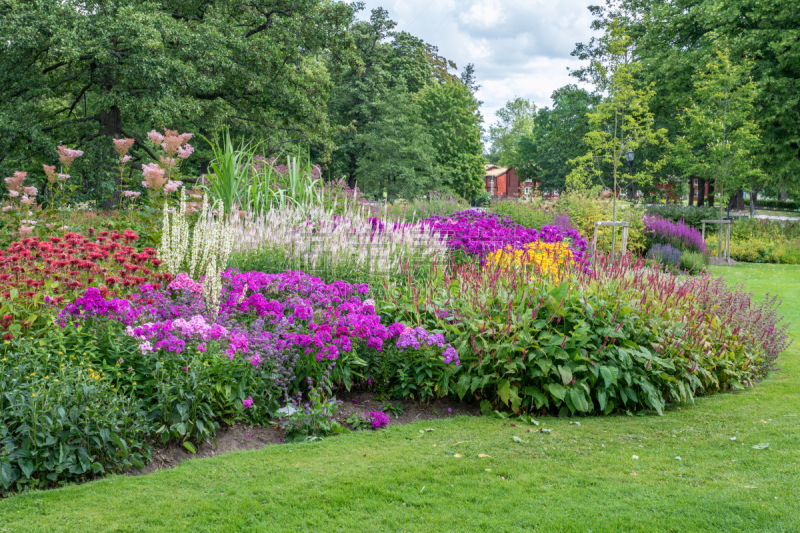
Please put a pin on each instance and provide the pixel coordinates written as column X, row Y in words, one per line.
column 546, row 258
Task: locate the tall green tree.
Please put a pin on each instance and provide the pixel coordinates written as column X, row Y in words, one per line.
column 382, row 139
column 83, row 72
column 621, row 123
column 557, row 137
column 721, row 137
column 454, row 124
column 674, row 40
column 515, row 120
column 407, row 125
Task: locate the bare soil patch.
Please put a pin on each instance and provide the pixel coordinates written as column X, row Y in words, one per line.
column 246, row 437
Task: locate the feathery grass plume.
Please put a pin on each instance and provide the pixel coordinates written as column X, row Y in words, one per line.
column 351, row 245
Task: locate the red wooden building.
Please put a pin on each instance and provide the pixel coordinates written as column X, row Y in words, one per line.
column 504, row 182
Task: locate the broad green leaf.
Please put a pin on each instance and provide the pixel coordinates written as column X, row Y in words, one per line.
column 557, row 390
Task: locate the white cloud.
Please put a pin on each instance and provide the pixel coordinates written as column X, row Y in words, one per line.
column 483, row 13
column 519, row 47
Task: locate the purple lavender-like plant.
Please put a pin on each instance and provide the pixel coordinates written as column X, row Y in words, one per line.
column 678, row 234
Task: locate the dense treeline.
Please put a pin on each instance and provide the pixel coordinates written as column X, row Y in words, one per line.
column 720, row 78
column 371, row 105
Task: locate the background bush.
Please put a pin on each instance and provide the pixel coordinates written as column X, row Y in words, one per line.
column 61, row 419
column 526, row 214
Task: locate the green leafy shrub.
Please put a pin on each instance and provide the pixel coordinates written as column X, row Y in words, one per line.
column 312, row 420
column 790, row 205
column 62, row 420
column 693, row 262
column 441, row 204
column 523, row 213
column 584, row 210
column 613, row 339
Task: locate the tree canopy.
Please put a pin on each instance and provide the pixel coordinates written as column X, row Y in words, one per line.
column 83, row 72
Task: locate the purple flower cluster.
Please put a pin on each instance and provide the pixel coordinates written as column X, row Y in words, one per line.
column 665, row 253
column 92, row 304
column 416, row 338
column 378, row 419
column 678, row 234
column 263, row 318
column 481, row 233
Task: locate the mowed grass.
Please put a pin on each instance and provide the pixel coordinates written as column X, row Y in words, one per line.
column 689, row 476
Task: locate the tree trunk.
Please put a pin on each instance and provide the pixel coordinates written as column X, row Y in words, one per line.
column 691, row 191
column 351, row 179
column 783, row 195
column 111, row 126
column 701, row 192
column 736, row 201
column 710, row 194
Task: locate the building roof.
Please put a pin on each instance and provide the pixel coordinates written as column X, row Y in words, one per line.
column 493, row 171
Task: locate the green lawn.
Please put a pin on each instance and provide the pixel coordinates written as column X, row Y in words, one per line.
column 576, row 478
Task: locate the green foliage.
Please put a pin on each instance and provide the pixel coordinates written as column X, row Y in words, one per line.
column 516, row 120
column 87, row 71
column 526, row 214
column 535, row 363
column 678, row 40
column 693, row 262
column 313, row 420
column 406, row 126
column 454, row 123
column 779, row 204
column 721, row 135
column 557, row 137
column 586, row 209
column 61, row 420
column 622, row 122
column 240, row 178
column 433, row 204
column 415, row 374
column 689, row 214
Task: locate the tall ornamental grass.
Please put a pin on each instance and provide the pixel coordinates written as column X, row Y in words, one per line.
column 350, row 246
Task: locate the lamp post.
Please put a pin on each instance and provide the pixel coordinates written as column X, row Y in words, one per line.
column 632, row 187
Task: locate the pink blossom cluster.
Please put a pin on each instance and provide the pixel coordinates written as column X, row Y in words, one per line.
column 183, row 282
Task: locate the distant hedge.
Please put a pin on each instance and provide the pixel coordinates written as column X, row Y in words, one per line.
column 790, row 205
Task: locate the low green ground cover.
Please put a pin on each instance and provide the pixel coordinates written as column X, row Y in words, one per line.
column 688, row 475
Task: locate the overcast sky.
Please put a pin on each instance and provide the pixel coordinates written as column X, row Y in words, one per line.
column 519, row 47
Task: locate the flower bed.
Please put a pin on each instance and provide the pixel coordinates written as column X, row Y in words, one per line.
column 621, row 337
column 479, row 233
column 36, row 274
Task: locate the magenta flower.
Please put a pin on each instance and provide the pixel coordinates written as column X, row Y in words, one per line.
column 247, row 403
column 377, row 419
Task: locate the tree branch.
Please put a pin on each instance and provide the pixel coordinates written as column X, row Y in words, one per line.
column 72, row 121
column 72, row 107
column 142, row 145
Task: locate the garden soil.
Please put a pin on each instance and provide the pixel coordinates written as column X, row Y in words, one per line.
column 246, row 437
